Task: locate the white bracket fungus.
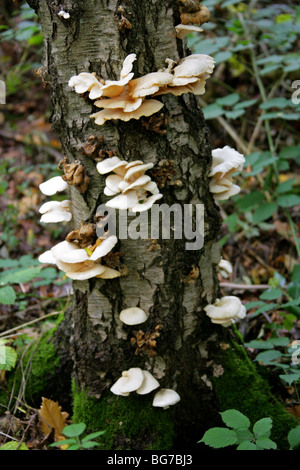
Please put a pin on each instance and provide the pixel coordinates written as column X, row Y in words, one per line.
column 130, row 180
column 165, row 398
column 64, row 14
column 225, row 162
column 134, row 380
column 127, row 98
column 225, row 268
column 53, row 185
column 182, row 30
column 226, row 311
column 133, row 316
column 56, row 211
column 78, row 263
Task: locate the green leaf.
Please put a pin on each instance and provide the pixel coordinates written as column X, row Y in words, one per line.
column 14, row 276
column 235, row 419
column 264, row 308
column 280, row 341
column 74, row 430
column 63, row 442
column 7, row 295
column 288, row 200
column 89, row 444
column 290, row 378
column 271, row 294
column 14, row 445
column 8, row 263
column 228, row 100
column 219, row 437
column 212, row 111
column 93, row 435
column 234, row 114
column 262, row 428
column 286, row 186
column 8, row 357
column 290, row 152
column 281, row 115
column 259, row 344
column 266, row 443
column 245, row 104
column 222, row 56
column 294, row 437
column 268, row 356
column 264, row 212
column 250, row 200
column 246, row 445
column 275, row 103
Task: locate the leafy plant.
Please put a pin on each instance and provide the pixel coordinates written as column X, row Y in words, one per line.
column 238, row 433
column 8, row 356
column 75, row 441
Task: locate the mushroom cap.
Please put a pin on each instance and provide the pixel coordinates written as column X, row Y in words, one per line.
column 122, row 101
column 194, row 65
column 84, row 82
column 109, row 273
column 147, row 108
column 123, row 201
column 148, row 385
column 130, row 381
column 226, row 310
column 148, row 84
column 226, row 161
column 127, row 65
column 183, row 29
column 47, row 258
column 133, row 316
column 82, row 270
column 146, row 204
column 225, row 268
column 165, row 397
column 110, row 164
column 69, row 252
column 223, row 191
column 56, row 211
column 53, row 185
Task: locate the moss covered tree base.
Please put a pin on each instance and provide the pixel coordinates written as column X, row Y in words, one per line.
column 130, row 423
column 241, row 387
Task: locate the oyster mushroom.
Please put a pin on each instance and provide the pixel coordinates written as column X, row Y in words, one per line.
column 56, row 211
column 226, row 311
column 165, row 398
column 133, row 316
column 53, row 185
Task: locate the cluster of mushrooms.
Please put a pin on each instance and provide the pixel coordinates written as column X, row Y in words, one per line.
column 131, row 188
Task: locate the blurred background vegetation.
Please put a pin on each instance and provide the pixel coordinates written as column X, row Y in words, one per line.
column 248, row 105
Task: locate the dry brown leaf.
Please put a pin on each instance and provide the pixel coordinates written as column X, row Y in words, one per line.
column 295, row 410
column 51, row 416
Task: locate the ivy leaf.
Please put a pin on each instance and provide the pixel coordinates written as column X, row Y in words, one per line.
column 219, row 437
column 7, row 295
column 294, row 437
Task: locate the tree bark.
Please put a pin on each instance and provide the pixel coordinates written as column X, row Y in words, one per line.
column 158, row 275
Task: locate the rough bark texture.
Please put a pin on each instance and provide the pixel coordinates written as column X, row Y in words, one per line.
column 189, row 348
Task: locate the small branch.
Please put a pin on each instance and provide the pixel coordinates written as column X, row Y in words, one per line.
column 231, row 285
column 29, row 323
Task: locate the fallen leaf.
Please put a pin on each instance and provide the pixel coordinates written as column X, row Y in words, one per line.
column 51, row 416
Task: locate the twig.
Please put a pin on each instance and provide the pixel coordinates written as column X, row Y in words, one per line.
column 6, row 435
column 29, row 323
column 231, row 285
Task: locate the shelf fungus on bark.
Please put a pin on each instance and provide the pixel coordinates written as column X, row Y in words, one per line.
column 225, row 162
column 56, row 211
column 182, row 30
column 129, row 184
column 128, row 98
column 79, row 263
column 134, row 380
column 63, row 14
column 165, row 398
column 226, row 310
column 53, row 185
column 225, row 268
column 133, row 316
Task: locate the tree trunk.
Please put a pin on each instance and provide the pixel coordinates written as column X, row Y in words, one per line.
column 170, row 283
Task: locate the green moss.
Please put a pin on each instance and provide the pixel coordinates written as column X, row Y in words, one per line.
column 242, row 388
column 129, row 422
column 35, row 365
